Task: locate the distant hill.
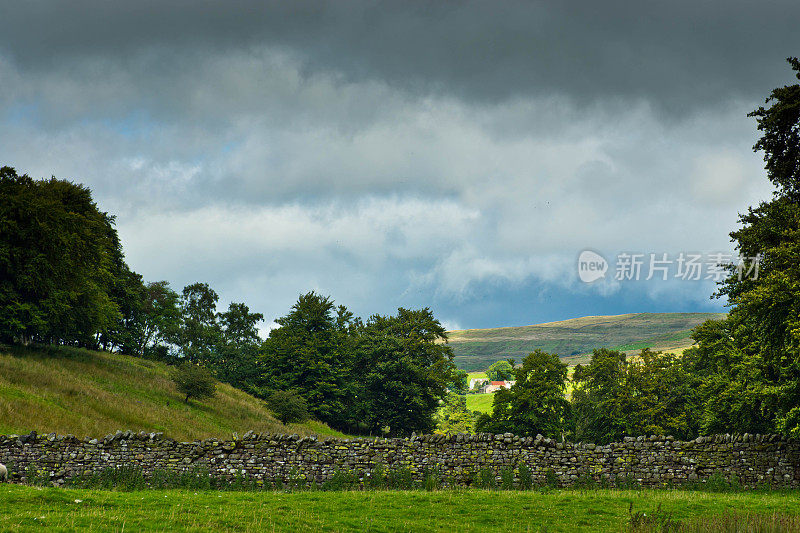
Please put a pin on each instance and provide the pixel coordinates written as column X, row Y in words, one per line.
column 86, row 393
column 574, row 339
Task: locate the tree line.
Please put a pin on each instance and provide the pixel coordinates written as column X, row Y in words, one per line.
column 743, row 373
column 64, row 280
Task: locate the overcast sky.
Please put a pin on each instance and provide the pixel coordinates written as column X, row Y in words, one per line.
column 457, row 156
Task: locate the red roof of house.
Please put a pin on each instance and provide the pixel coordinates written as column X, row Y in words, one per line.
column 498, row 382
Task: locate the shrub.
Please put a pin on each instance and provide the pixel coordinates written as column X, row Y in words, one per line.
column 551, row 479
column 377, row 479
column 507, row 478
column 288, row 407
column 340, row 480
column 486, row 478
column 525, row 478
column 585, row 481
column 432, row 479
column 194, row 381
column 400, row 478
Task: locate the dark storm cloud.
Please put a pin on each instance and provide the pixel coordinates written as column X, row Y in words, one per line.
column 677, row 54
column 446, row 154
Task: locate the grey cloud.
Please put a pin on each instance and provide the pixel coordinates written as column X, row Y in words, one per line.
column 395, row 153
column 680, row 54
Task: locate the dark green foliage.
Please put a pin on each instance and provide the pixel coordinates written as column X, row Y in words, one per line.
column 156, row 322
column 551, row 479
column 716, row 482
column 585, row 482
column 432, row 479
column 453, row 416
column 200, row 332
column 400, row 478
column 780, row 135
column 377, row 479
column 615, row 396
column 405, row 371
column 389, row 373
column 460, row 383
column 59, row 255
column 535, row 403
column 525, row 478
column 341, row 480
column 507, row 478
column 194, row 381
column 486, row 478
column 236, row 358
column 748, row 364
column 500, row 371
column 307, row 354
column 288, row 407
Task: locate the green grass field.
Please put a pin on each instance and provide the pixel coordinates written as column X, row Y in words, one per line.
column 31, row 508
column 480, row 402
column 574, row 339
column 85, row 393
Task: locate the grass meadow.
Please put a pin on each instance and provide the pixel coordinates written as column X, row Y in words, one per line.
column 87, row 393
column 57, row 509
column 480, row 402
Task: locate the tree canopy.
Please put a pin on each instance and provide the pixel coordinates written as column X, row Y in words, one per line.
column 535, row 404
column 500, row 371
column 61, row 263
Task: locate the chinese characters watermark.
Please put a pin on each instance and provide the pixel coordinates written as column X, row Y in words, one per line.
column 687, row 266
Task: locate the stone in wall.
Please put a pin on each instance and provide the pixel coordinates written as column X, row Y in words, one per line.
column 458, row 460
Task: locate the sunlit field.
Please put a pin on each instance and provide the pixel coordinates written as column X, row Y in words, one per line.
column 29, row 508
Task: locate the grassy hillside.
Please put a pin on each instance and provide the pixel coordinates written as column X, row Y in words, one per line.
column 476, row 349
column 85, row 393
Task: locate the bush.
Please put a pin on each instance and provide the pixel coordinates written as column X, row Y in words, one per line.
column 551, row 479
column 507, row 478
column 400, row 478
column 377, row 479
column 525, row 478
column 432, row 479
column 486, row 478
column 194, row 381
column 288, row 407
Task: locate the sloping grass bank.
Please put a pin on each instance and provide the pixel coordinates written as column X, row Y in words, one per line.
column 28, row 508
column 87, row 393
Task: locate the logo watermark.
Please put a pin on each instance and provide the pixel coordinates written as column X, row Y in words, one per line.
column 591, row 266
column 686, row 266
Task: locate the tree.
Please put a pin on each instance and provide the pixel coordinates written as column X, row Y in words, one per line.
column 128, row 293
column 615, row 396
column 288, row 407
column 780, row 139
column 602, row 399
column 239, row 325
column 199, row 332
column 500, row 371
column 460, row 384
column 407, row 369
column 753, row 381
column 58, row 257
column 194, row 381
column 453, row 416
column 305, row 354
column 536, row 402
column 236, row 354
column 158, row 324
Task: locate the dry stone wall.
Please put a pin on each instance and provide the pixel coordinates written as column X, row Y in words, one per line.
column 458, row 460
